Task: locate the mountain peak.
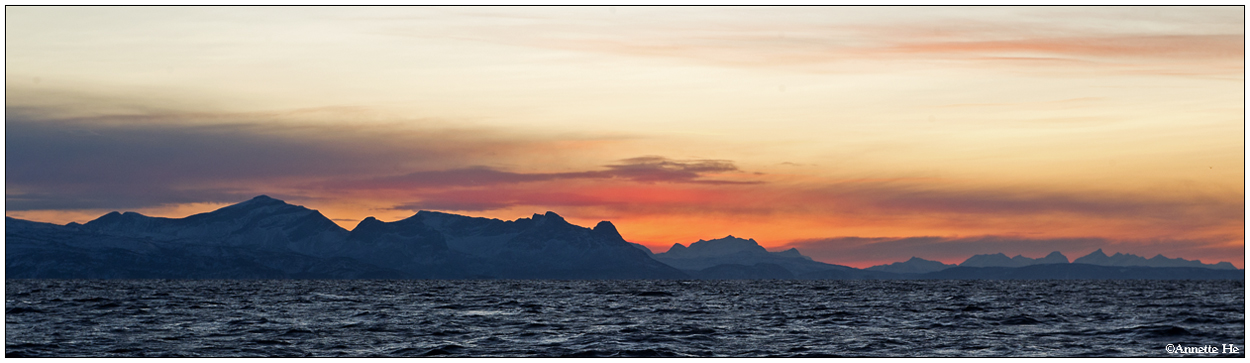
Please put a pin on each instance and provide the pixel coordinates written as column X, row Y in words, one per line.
column 367, row 223
column 260, row 205
column 792, row 253
column 1054, row 257
column 606, row 229
column 115, row 219
column 915, row 265
column 548, row 217
column 732, row 238
column 1001, row 260
column 262, row 200
column 718, row 247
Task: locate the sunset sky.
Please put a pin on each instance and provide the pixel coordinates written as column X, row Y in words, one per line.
column 859, row 135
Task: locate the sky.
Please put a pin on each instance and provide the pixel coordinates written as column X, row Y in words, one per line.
column 859, row 135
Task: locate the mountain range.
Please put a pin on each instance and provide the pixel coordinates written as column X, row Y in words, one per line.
column 266, row 238
column 1097, row 258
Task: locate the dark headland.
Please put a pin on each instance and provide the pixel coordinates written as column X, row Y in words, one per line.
column 266, row 238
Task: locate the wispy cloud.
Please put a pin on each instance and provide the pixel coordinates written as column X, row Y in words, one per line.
column 857, row 39
column 937, row 198
column 1179, row 47
column 646, row 169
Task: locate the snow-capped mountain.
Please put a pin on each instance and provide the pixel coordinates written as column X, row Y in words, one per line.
column 268, row 238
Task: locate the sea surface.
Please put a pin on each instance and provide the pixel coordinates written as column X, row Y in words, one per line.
column 620, row 318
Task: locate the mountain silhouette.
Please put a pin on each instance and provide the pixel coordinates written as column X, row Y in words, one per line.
column 266, row 238
column 740, row 252
column 915, row 265
column 262, row 223
column 42, row 250
column 1101, row 259
column 1001, row 260
column 1080, row 271
column 542, row 246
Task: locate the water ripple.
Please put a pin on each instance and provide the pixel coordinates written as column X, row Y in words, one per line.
column 627, row 318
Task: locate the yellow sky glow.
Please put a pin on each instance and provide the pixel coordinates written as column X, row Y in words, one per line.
column 1120, row 123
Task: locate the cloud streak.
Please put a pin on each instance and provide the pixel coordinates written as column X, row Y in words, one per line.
column 111, row 162
column 933, row 198
column 646, row 169
column 621, row 196
column 128, row 162
column 829, row 40
column 1175, row 47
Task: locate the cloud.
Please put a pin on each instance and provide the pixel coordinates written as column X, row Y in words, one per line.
column 1023, row 200
column 1188, row 40
column 62, row 197
column 620, row 195
column 660, row 169
column 146, row 160
column 1176, row 47
column 654, row 186
column 484, row 200
column 646, row 169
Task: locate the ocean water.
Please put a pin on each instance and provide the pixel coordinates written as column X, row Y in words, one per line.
column 620, row 318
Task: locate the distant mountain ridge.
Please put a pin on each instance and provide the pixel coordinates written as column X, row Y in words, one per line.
column 742, row 256
column 915, row 265
column 1101, row 259
column 1001, row 260
column 1097, row 258
column 1080, row 271
column 268, row 238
